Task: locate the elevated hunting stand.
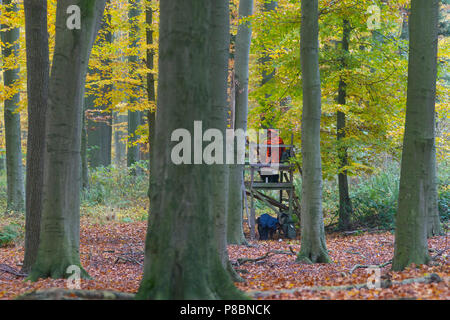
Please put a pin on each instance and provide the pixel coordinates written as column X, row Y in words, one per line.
column 287, row 201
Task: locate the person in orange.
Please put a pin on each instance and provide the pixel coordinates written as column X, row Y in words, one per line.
column 271, row 156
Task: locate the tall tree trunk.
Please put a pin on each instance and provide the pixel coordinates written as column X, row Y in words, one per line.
column 99, row 127
column 182, row 259
column 37, row 89
column 313, row 244
column 14, row 166
column 417, row 175
column 345, row 204
column 150, row 83
column 119, row 146
column 433, row 221
column 269, row 5
column 60, row 224
column 236, row 171
column 220, row 39
column 84, row 152
column 99, row 135
column 134, row 117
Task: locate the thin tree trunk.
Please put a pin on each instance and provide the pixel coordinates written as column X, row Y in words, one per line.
column 313, row 244
column 134, row 117
column 99, row 129
column 37, row 90
column 418, row 167
column 150, row 81
column 150, row 84
column 84, row 153
column 268, row 6
column 14, row 166
column 433, row 221
column 119, row 146
column 345, row 204
column 60, row 223
column 236, row 171
column 267, row 76
column 182, row 260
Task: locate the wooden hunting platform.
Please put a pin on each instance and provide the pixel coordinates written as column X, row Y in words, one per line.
column 254, row 187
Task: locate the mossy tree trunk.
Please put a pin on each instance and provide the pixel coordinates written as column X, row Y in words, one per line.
column 417, row 177
column 60, row 223
column 182, row 258
column 37, row 90
column 236, row 171
column 313, row 244
column 13, row 142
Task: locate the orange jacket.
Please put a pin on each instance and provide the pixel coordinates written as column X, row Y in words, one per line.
column 274, row 141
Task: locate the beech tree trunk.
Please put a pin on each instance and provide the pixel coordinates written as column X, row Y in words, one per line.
column 13, row 141
column 120, row 147
column 37, row 90
column 236, row 171
column 150, row 82
column 269, row 5
column 84, row 151
column 182, row 258
column 134, row 117
column 345, row 204
column 60, row 223
column 417, row 177
column 313, row 244
column 99, row 126
column 433, row 221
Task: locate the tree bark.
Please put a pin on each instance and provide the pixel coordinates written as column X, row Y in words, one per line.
column 313, row 244
column 119, row 146
column 84, row 151
column 268, row 6
column 417, row 175
column 345, row 204
column 182, row 259
column 150, row 83
column 433, row 221
column 99, row 127
column 236, row 171
column 134, row 117
column 14, row 166
column 60, row 224
column 37, row 89
column 220, row 39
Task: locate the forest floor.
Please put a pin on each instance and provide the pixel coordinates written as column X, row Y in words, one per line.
column 112, row 253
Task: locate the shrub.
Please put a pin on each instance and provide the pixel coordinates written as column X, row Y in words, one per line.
column 9, row 233
column 374, row 199
column 115, row 186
